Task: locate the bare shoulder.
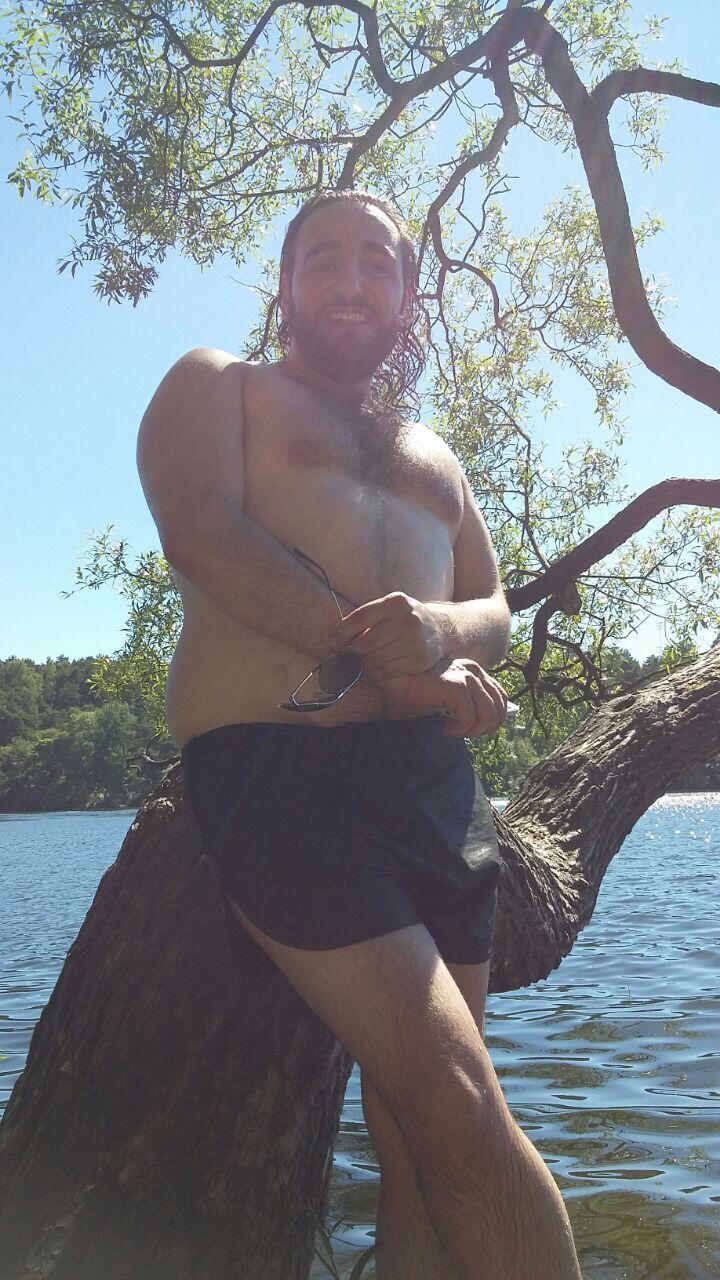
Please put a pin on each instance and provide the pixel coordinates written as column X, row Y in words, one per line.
column 190, row 445
column 204, row 385
column 200, row 371
column 201, row 358
column 435, row 447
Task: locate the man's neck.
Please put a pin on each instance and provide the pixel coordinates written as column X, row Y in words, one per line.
column 351, row 394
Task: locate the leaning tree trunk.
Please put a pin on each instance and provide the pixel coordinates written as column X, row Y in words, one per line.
column 175, row 1121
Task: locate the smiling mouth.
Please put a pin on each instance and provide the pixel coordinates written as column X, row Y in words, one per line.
column 349, row 317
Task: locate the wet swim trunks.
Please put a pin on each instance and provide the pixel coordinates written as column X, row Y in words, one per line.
column 327, row 837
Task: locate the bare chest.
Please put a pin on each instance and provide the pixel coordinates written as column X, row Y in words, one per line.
column 299, row 443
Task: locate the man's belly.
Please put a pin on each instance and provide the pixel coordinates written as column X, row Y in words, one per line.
column 225, row 673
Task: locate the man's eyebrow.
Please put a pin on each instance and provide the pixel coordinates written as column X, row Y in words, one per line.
column 327, row 246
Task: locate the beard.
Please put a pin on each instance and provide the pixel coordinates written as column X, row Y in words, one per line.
column 337, row 353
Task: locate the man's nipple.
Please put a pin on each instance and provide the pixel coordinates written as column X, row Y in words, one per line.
column 309, row 451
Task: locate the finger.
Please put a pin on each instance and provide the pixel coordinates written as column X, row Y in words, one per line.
column 485, row 714
column 482, row 713
column 478, row 707
column 493, row 690
column 499, row 700
column 463, row 712
column 502, row 692
column 392, row 670
column 366, row 615
column 453, row 729
column 396, row 660
column 375, row 639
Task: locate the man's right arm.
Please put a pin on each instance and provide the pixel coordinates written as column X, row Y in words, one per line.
column 190, row 457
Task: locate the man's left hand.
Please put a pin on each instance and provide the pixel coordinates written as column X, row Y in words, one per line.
column 396, row 635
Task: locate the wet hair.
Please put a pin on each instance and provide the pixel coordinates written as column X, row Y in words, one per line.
column 394, row 382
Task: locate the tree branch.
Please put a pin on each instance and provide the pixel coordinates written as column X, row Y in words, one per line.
column 176, row 40
column 531, row 669
column 492, row 44
column 501, row 79
column 592, row 133
column 638, row 513
column 559, row 834
column 373, row 53
column 647, row 80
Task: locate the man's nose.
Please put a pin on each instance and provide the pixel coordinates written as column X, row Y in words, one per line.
column 350, row 278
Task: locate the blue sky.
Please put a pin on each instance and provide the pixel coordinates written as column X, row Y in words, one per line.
column 79, row 374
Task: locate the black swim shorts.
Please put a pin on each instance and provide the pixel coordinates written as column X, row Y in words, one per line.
column 327, row 837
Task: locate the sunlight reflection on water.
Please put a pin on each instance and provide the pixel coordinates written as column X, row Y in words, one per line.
column 611, row 1065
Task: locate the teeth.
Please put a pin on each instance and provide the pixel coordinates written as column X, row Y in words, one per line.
column 348, row 315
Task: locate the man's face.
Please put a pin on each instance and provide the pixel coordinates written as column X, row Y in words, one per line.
column 345, row 296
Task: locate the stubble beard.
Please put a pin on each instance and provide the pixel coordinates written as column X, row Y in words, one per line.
column 344, row 360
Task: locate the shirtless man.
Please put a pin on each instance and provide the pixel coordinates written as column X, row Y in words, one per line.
column 353, row 847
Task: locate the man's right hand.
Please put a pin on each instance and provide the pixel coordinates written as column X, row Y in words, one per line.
column 476, row 702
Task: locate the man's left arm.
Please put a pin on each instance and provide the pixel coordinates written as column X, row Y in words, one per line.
column 400, row 636
column 476, row 623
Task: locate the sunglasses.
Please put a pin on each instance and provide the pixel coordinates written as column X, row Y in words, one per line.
column 335, row 675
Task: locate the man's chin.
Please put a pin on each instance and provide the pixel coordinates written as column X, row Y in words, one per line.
column 342, row 361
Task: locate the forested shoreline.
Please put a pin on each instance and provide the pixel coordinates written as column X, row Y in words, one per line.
column 67, row 744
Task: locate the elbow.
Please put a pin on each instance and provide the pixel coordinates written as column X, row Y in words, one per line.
column 504, row 630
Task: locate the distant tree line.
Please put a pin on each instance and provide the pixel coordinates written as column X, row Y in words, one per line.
column 65, row 743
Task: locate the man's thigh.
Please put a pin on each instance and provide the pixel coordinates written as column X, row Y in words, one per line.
column 393, row 1004
column 472, row 980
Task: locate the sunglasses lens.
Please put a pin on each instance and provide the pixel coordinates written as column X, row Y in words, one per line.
column 339, row 671
column 335, row 676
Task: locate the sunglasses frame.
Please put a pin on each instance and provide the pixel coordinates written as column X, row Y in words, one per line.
column 316, row 704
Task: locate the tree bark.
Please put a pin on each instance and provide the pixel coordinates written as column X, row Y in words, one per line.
column 176, row 1121
column 560, row 833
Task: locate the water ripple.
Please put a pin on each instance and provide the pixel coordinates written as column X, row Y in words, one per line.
column 611, row 1065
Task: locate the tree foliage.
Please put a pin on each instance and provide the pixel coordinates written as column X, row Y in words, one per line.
column 195, row 125
column 66, row 742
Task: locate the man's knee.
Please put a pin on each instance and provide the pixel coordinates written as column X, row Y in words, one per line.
column 451, row 1117
column 444, row 1094
column 420, row 1131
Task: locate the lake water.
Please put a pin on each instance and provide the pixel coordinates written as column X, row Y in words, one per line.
column 612, row 1065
